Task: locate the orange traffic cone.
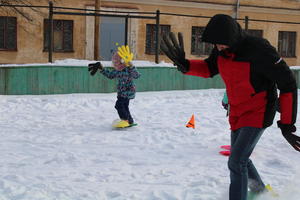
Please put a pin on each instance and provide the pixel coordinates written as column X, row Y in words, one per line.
column 191, row 123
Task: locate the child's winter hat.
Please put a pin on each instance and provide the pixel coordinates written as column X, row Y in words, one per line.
column 117, row 62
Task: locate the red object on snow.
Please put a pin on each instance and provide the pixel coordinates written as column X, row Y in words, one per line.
column 227, row 147
column 225, row 153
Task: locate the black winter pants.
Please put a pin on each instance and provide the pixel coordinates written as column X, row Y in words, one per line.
column 122, row 106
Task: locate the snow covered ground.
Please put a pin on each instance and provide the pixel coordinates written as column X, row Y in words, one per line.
column 62, row 147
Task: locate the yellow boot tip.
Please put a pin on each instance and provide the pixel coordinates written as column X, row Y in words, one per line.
column 270, row 189
column 121, row 124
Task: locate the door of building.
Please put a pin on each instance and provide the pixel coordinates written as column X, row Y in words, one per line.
column 112, row 34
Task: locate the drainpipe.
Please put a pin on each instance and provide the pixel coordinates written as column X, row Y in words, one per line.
column 97, row 32
column 236, row 13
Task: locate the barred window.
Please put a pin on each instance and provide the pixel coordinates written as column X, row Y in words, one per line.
column 8, row 33
column 198, row 47
column 287, row 43
column 62, row 35
column 150, row 36
column 255, row 32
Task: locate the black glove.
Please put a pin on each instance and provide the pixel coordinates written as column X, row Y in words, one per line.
column 169, row 45
column 287, row 132
column 93, row 67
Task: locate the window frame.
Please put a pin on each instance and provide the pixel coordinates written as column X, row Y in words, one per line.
column 286, row 47
column 163, row 28
column 5, row 33
column 46, row 31
column 205, row 48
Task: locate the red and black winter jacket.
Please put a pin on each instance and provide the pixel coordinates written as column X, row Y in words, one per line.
column 252, row 73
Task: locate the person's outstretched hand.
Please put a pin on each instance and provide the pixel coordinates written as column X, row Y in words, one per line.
column 125, row 54
column 288, row 133
column 175, row 51
column 93, row 67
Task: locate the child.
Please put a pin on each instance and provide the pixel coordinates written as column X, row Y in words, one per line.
column 225, row 103
column 125, row 72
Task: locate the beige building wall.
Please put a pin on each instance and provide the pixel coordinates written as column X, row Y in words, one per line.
column 262, row 10
column 30, row 36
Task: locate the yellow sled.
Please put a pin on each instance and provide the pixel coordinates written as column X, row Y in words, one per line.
column 120, row 124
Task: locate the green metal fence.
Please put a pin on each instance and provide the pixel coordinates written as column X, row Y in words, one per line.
column 33, row 80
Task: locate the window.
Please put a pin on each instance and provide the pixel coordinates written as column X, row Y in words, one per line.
column 255, row 32
column 62, row 35
column 198, row 47
column 150, row 36
column 8, row 33
column 287, row 43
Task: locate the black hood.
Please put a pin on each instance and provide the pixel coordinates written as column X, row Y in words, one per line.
column 222, row 29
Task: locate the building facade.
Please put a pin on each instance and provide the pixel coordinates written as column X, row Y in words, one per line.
column 23, row 41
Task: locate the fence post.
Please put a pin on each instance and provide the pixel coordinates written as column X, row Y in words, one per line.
column 246, row 23
column 157, row 36
column 126, row 30
column 50, row 32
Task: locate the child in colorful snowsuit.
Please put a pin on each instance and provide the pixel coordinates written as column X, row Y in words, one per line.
column 125, row 87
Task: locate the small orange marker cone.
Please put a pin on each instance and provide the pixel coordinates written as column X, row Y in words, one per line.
column 191, row 123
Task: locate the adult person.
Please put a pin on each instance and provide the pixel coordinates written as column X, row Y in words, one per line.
column 252, row 71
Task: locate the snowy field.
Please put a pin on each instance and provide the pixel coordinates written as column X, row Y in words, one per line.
column 62, row 147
